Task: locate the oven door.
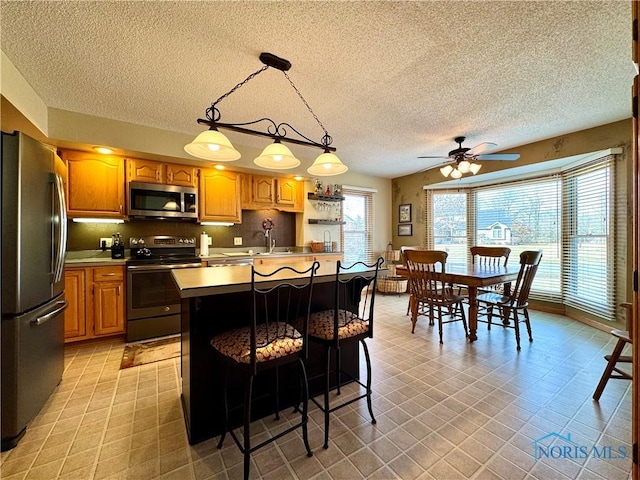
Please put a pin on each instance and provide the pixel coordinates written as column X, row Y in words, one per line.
column 151, row 291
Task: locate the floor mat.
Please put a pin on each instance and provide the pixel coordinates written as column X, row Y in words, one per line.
column 150, row 351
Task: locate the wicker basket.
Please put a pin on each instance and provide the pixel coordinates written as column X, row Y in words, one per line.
column 317, row 247
column 392, row 284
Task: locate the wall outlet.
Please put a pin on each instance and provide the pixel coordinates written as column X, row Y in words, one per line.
column 209, row 241
column 237, row 240
column 107, row 242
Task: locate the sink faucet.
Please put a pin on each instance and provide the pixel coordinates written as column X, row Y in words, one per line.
column 272, row 246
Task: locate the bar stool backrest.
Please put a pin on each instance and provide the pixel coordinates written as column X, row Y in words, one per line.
column 281, row 298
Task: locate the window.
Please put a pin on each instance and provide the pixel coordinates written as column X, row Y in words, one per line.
column 523, row 216
column 357, row 232
column 573, row 217
column 587, row 243
column 449, row 220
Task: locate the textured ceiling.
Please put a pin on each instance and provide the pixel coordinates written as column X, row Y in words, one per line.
column 389, row 80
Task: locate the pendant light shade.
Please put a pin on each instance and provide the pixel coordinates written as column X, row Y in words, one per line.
column 456, row 174
column 212, row 145
column 475, row 168
column 327, row 164
column 277, row 157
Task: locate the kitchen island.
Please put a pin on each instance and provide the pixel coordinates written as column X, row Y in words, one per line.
column 216, row 299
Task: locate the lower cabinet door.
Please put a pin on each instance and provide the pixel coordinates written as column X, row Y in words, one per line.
column 75, row 325
column 108, row 308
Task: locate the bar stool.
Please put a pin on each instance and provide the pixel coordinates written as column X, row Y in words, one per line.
column 350, row 320
column 280, row 300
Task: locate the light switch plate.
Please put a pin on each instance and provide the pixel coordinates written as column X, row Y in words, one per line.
column 237, row 240
column 106, row 240
column 209, row 241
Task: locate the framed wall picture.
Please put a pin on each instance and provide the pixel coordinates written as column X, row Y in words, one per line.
column 404, row 213
column 405, row 230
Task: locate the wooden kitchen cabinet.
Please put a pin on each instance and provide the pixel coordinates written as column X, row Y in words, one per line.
column 149, row 171
column 75, row 326
column 219, row 196
column 97, row 302
column 259, row 191
column 95, row 185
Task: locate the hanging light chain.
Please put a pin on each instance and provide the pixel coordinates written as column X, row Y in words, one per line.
column 307, row 105
column 240, row 84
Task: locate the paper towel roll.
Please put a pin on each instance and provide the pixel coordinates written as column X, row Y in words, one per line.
column 204, row 244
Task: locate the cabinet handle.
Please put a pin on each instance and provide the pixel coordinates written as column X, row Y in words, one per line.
column 118, row 290
column 108, row 274
column 171, row 176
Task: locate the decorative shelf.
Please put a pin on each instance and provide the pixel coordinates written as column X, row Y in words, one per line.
column 319, row 221
column 325, row 198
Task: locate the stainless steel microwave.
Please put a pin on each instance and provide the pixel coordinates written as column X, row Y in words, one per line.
column 162, row 201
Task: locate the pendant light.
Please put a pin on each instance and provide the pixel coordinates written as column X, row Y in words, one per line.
column 212, row 145
column 277, row 157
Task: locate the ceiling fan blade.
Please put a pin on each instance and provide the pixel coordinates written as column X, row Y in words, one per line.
column 499, row 156
column 483, row 147
column 439, row 156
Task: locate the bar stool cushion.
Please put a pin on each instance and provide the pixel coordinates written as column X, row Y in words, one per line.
column 321, row 325
column 273, row 341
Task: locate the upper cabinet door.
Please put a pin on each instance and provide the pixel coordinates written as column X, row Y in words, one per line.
column 219, row 196
column 184, row 175
column 262, row 190
column 287, row 191
column 144, row 171
column 95, row 185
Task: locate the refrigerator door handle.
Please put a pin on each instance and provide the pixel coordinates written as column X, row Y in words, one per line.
column 45, row 318
column 62, row 230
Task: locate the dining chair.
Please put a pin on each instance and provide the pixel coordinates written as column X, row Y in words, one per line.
column 349, row 320
column 403, row 257
column 489, row 257
column 518, row 298
column 612, row 370
column 269, row 342
column 429, row 293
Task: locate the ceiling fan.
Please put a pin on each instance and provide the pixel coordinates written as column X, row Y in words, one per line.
column 463, row 160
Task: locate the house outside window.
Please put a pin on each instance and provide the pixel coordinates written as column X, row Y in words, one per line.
column 356, row 235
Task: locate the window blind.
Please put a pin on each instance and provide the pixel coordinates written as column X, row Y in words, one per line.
column 524, row 215
column 356, row 235
column 449, row 224
column 588, row 246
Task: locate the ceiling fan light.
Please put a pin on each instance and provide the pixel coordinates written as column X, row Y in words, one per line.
column 212, row 145
column 456, row 174
column 327, row 164
column 446, row 170
column 463, row 166
column 276, row 157
column 475, row 168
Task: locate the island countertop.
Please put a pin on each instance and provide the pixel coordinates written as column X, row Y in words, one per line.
column 198, row 282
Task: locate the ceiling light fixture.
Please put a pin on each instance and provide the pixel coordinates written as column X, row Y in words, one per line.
column 215, row 146
column 461, row 166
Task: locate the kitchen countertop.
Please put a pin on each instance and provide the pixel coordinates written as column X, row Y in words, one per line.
column 91, row 258
column 196, row 282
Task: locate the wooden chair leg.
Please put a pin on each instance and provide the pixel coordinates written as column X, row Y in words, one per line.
column 516, row 326
column 611, row 365
column 528, row 323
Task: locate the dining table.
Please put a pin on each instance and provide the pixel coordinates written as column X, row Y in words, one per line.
column 474, row 277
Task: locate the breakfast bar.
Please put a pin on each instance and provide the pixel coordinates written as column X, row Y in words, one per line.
column 216, row 299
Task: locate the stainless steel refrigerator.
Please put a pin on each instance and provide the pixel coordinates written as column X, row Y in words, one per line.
column 34, row 230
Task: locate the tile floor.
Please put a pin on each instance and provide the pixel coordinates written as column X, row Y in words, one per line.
column 452, row 411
